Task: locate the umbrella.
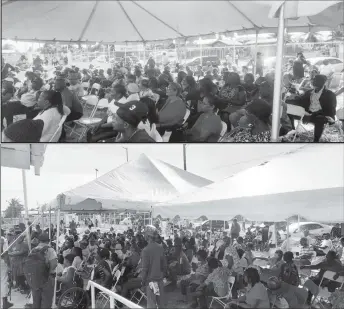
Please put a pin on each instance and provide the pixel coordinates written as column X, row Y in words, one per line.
column 110, row 22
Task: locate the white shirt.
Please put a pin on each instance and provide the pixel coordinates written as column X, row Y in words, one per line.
column 326, row 70
column 133, row 97
column 315, row 105
column 29, row 99
column 326, row 243
column 51, row 118
column 112, row 108
column 272, row 229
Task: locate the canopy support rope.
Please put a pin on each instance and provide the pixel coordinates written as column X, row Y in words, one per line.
column 242, row 14
column 130, row 20
column 158, row 19
column 88, row 21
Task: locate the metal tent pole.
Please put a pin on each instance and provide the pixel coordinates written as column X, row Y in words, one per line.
column 255, row 54
column 26, row 210
column 278, row 79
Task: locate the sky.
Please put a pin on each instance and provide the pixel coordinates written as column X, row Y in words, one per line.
column 68, row 166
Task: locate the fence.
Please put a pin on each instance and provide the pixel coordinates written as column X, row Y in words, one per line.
column 112, row 297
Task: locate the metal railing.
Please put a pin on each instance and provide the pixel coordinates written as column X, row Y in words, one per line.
column 112, row 297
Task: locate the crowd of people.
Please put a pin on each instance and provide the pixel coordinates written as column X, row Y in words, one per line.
column 200, row 264
column 154, row 104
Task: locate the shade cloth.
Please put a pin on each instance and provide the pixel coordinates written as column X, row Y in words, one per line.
column 134, row 21
column 308, row 182
column 135, row 185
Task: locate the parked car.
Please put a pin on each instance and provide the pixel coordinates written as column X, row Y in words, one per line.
column 315, row 229
column 215, row 60
column 214, row 224
column 336, row 63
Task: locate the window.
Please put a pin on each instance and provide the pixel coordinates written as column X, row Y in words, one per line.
column 334, row 61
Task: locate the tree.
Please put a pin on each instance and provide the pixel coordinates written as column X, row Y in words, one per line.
column 14, row 208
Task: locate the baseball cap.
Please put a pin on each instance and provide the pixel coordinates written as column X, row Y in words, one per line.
column 133, row 112
column 25, row 131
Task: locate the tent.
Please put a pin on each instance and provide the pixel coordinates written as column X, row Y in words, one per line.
column 307, row 182
column 137, row 185
column 111, row 22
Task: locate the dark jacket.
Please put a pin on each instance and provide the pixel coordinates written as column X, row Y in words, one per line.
column 328, row 102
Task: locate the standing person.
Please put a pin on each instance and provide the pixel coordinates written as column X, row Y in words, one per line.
column 235, row 229
column 39, row 270
column 4, row 264
column 272, row 236
column 153, row 269
column 298, row 69
column 265, row 234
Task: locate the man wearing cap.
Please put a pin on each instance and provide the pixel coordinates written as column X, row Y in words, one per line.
column 154, row 267
column 126, row 121
column 43, row 298
column 320, row 103
column 4, row 264
column 26, row 105
column 8, row 90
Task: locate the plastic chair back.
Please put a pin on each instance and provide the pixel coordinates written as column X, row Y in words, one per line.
column 295, row 110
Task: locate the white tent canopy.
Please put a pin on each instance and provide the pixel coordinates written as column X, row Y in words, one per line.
column 136, row 185
column 140, row 21
column 308, row 182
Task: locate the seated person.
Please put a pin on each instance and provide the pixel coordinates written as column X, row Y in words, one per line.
column 200, row 275
column 325, row 246
column 75, row 85
column 294, row 296
column 173, row 111
column 133, row 92
column 306, row 251
column 255, row 126
column 331, row 263
column 26, row 104
column 257, row 295
column 104, row 130
column 275, row 264
column 216, row 283
column 320, row 103
column 145, row 91
column 8, row 90
column 102, row 271
column 208, row 126
column 23, row 131
column 250, row 87
column 69, row 278
column 289, row 272
column 126, row 122
column 180, row 266
column 52, row 110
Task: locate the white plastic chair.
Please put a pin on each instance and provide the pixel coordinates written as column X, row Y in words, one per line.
column 55, row 138
column 103, row 103
column 298, row 111
column 87, row 122
column 186, row 117
column 137, row 299
column 103, row 299
column 221, row 300
column 224, row 130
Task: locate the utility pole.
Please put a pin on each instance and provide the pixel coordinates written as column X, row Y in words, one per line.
column 184, row 156
column 127, row 153
column 96, row 173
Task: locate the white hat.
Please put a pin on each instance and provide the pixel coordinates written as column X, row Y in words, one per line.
column 9, row 79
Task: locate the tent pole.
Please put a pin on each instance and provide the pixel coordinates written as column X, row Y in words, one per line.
column 201, row 50
column 255, row 54
column 125, row 54
column 26, row 210
column 287, row 234
column 144, row 53
column 278, row 78
column 50, row 225
column 298, row 221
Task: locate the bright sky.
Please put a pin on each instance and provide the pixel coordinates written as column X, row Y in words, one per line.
column 68, row 166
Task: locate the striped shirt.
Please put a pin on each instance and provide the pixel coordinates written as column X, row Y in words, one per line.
column 306, row 251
